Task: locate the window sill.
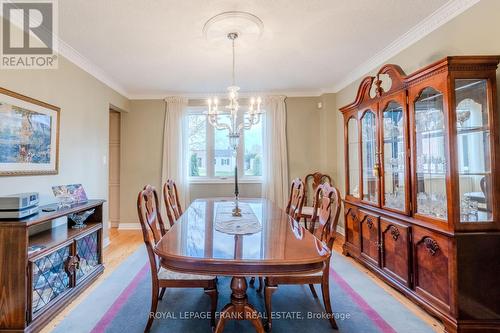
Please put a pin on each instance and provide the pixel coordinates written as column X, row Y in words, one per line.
column 228, row 180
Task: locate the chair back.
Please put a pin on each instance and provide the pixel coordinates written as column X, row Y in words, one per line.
column 296, row 198
column 152, row 225
column 312, row 181
column 326, row 213
column 172, row 203
column 485, row 188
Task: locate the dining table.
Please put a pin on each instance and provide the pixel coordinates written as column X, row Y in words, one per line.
column 264, row 241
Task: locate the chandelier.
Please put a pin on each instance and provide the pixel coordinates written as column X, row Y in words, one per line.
column 231, row 109
column 250, row 118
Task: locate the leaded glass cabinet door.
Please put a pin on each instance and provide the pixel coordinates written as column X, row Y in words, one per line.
column 473, row 146
column 394, row 157
column 353, row 157
column 369, row 158
column 49, row 278
column 431, row 162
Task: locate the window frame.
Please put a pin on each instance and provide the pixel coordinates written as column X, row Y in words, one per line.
column 210, row 178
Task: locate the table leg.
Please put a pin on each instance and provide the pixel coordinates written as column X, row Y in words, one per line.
column 239, row 308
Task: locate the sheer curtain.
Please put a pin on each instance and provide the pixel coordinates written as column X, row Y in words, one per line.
column 275, row 171
column 175, row 146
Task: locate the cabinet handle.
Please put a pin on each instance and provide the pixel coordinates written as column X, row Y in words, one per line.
column 431, row 245
column 71, row 264
column 376, row 167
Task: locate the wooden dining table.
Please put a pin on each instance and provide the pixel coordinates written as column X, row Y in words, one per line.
column 195, row 244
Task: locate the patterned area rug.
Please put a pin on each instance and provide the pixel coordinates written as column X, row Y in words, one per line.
column 121, row 304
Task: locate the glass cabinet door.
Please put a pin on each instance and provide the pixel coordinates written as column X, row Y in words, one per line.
column 473, row 150
column 394, row 148
column 353, row 156
column 369, row 156
column 430, row 155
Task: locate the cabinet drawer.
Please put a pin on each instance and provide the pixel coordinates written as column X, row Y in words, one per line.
column 370, row 244
column 431, row 260
column 49, row 278
column 88, row 254
column 394, row 238
column 351, row 225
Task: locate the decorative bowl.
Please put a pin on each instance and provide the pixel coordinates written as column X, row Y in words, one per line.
column 80, row 218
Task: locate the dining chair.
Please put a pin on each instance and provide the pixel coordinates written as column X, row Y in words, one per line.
column 293, row 208
column 312, row 181
column 172, row 203
column 296, row 199
column 326, row 212
column 153, row 229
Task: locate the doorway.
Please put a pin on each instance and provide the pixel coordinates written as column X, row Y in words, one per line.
column 114, row 168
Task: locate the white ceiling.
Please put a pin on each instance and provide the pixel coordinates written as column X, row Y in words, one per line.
column 155, row 48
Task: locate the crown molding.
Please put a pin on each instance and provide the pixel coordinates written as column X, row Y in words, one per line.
column 68, row 52
column 162, row 96
column 441, row 16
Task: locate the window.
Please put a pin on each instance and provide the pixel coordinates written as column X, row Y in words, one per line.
column 208, row 144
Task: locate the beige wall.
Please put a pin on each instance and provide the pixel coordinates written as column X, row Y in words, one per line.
column 141, row 147
column 303, row 136
column 84, row 103
column 474, row 32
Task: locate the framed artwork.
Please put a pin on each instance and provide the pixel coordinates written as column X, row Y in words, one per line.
column 29, row 136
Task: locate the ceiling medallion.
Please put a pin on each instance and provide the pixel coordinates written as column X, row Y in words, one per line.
column 248, row 27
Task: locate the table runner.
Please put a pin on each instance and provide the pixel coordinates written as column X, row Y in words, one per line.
column 225, row 222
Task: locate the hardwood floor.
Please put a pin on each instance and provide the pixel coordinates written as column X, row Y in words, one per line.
column 124, row 242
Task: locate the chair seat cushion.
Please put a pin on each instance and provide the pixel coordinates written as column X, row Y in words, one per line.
column 166, row 274
column 307, row 211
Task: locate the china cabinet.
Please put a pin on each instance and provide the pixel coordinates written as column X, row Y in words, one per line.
column 422, row 155
column 45, row 265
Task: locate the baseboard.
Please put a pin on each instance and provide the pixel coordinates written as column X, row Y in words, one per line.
column 129, row 226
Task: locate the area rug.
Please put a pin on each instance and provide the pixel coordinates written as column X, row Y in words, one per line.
column 121, row 302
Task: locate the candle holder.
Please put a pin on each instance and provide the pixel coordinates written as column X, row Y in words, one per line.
column 236, row 210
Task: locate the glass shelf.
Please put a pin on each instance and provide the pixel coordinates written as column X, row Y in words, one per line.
column 399, row 139
column 467, row 130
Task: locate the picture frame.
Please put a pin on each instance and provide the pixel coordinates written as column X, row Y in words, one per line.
column 70, row 193
column 29, row 135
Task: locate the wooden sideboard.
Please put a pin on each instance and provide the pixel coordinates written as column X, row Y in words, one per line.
column 422, row 158
column 35, row 286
